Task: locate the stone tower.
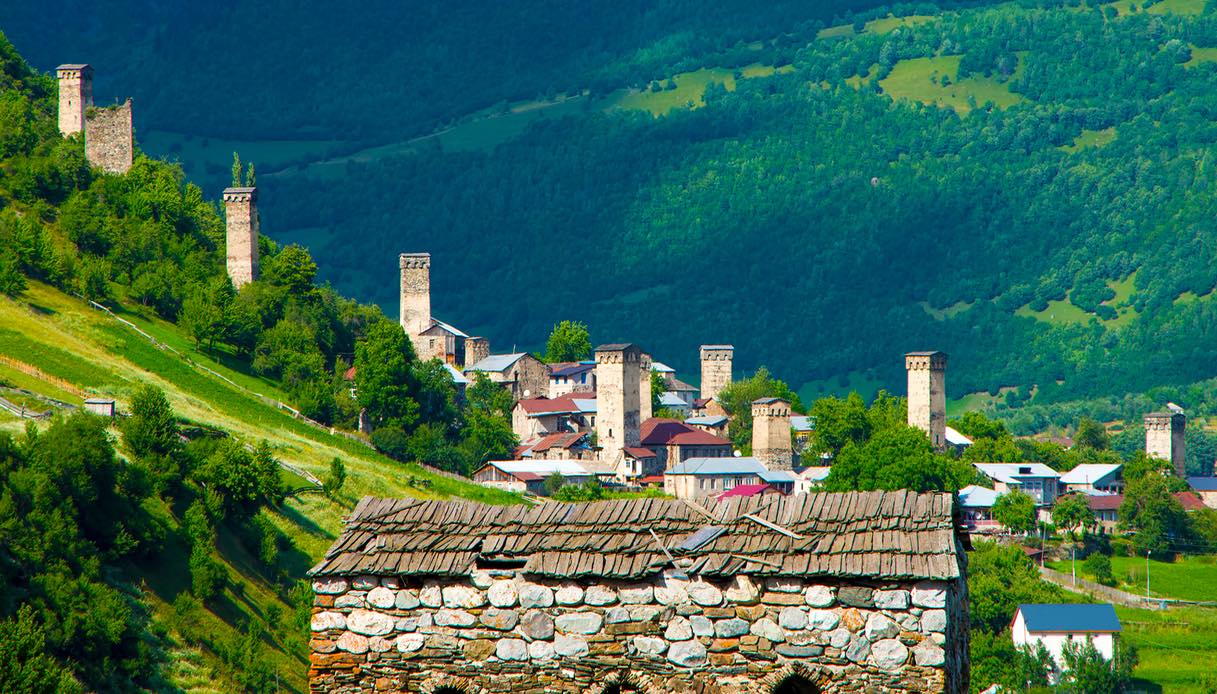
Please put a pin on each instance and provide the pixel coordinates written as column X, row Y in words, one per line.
column 75, row 97
column 415, row 296
column 109, row 138
column 1165, row 440
column 476, row 349
column 771, row 433
column 618, row 411
column 927, row 373
column 241, row 236
column 715, row 369
column 645, row 411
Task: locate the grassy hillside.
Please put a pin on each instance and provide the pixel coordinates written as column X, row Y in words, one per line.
column 57, row 346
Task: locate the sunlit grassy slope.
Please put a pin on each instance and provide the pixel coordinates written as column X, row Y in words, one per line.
column 920, row 79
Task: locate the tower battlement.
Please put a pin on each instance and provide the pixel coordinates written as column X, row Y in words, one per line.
column 75, row 96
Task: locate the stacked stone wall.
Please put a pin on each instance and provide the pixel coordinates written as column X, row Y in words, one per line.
column 109, row 140
column 715, row 370
column 500, row 633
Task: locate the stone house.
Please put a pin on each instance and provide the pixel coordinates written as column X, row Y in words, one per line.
column 675, row 442
column 702, row 477
column 817, row 593
column 561, row 446
column 521, row 373
column 532, row 418
column 572, row 377
column 1039, row 481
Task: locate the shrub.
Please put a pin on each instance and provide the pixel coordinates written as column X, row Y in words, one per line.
column 1099, row 566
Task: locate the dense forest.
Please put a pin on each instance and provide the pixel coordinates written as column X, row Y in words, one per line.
column 824, row 219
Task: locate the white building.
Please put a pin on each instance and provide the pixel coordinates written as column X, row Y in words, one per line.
column 530, row 475
column 810, row 479
column 1056, row 625
column 1094, row 478
column 1037, row 480
column 702, row 477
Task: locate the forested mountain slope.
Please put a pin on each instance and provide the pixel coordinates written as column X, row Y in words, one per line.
column 1027, row 185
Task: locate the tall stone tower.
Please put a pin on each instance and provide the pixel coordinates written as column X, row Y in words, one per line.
column 241, row 234
column 110, row 139
column 618, row 410
column 476, row 349
column 1165, row 439
column 771, row 433
column 75, row 96
column 927, row 373
column 415, row 296
column 715, row 369
column 645, row 411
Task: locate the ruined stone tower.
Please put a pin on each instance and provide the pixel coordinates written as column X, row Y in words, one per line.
column 109, row 138
column 75, row 96
column 241, row 237
column 476, row 349
column 771, row 433
column 1165, row 439
column 715, row 369
column 618, row 410
column 415, row 296
column 927, row 373
column 645, row 410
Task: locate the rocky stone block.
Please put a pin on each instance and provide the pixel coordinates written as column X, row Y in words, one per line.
column 569, row 594
column 768, row 629
column 541, row 650
column 352, row 643
column 792, row 618
column 679, row 629
column 784, row 584
column 537, row 625
column 454, row 618
column 889, row 654
column 687, row 654
column 892, row 599
column 369, row 623
column 431, row 596
column 705, row 594
column 462, row 597
column 730, row 628
column 702, row 626
column 406, row 599
column 616, row 615
column 927, row 654
column 381, row 597
column 880, row 627
column 570, row 646
column 502, row 594
column 599, row 596
column 511, row 649
column 856, row 596
column 579, row 622
column 930, row 594
column 535, row 595
column 675, row 594
column 650, row 645
column 822, row 620
column 637, row 596
column 498, row 619
column 352, row 599
column 331, row 585
column 323, row 621
column 819, row 596
column 365, row 583
column 858, row 649
column 742, row 590
column 792, row 651
column 934, row 621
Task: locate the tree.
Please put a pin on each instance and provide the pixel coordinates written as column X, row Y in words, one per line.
column 553, row 483
column 383, row 376
column 658, row 386
column 1155, row 516
column 838, row 422
column 737, row 399
column 152, row 428
column 484, row 395
column 337, row 477
column 244, row 480
column 207, row 576
column 1091, row 434
column 895, row 458
column 569, row 341
column 487, row 437
column 1099, row 566
column 1000, row 578
column 1016, row 510
column 1086, row 671
column 1072, row 512
column 236, row 170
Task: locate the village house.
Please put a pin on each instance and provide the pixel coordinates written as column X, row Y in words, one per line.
column 1205, row 488
column 674, row 403
column 675, row 442
column 533, row 418
column 561, row 446
column 521, row 373
column 711, row 424
column 1055, row 625
column 572, row 377
column 528, row 476
column 1037, row 480
column 827, row 593
column 1106, row 510
column 701, row 477
column 747, row 490
column 1094, row 478
column 976, row 502
column 956, row 441
column 810, row 479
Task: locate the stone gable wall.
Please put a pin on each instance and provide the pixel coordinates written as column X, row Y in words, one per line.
column 498, row 633
column 109, row 141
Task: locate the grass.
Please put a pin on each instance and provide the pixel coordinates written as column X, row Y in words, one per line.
column 1189, row 578
column 1175, row 647
column 1189, row 296
column 1064, row 312
column 690, row 89
column 1190, row 7
column 941, row 314
column 1201, row 55
column 918, row 79
column 1090, row 139
column 856, row 381
column 975, row 401
column 883, row 25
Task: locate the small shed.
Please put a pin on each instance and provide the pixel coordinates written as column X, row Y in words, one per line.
column 829, row 593
column 100, row 406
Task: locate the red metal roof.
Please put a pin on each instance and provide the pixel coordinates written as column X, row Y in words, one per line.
column 1191, row 501
column 745, row 490
column 349, row 374
column 559, row 440
column 527, row 476
column 563, row 404
column 1105, row 503
column 651, row 479
column 641, row 453
column 658, row 431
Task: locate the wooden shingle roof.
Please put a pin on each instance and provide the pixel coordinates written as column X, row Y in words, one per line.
column 880, row 535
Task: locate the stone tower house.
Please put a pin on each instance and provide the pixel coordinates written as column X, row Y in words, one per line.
column 771, row 433
column 415, row 296
column 618, row 410
column 645, row 411
column 927, row 373
column 1164, row 438
column 109, row 138
column 715, row 369
column 476, row 349
column 75, row 96
column 241, row 235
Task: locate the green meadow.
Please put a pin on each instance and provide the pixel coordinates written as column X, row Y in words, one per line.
column 1091, row 139
column 920, row 79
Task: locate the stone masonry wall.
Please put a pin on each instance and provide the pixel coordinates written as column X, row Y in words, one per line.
column 499, row 633
column 109, row 141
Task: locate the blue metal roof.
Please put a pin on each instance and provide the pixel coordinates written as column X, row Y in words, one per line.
column 709, row 420
column 1070, row 618
column 777, row 476
column 670, row 399
column 718, row 466
column 1203, row 484
column 496, row 362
